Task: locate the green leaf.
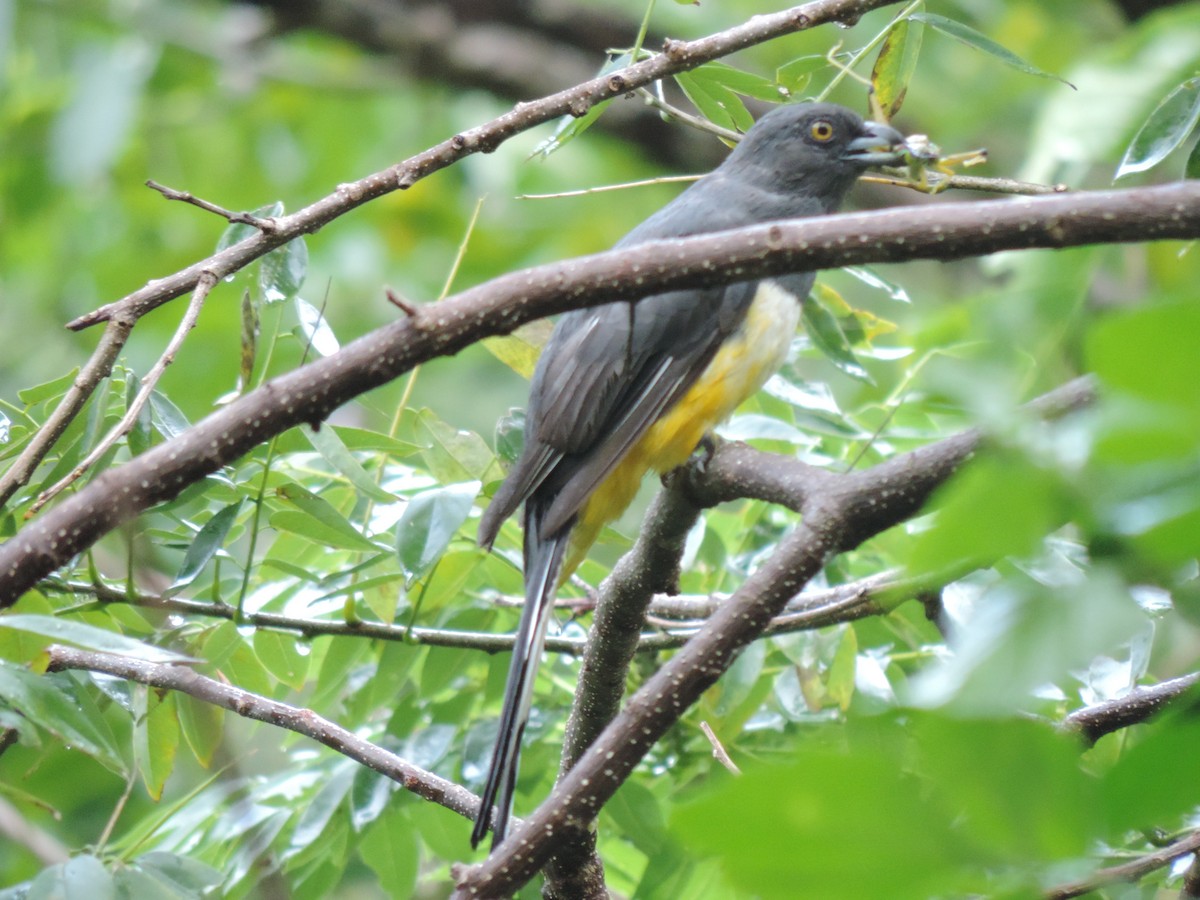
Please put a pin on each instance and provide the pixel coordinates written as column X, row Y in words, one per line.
column 570, row 127
column 1149, row 352
column 823, row 330
column 520, row 349
column 372, row 441
column 179, row 872
column 155, row 737
column 811, row 805
column 1192, row 168
column 279, row 653
column 319, row 809
column 998, row 505
column 202, row 725
column 453, row 455
column 871, row 278
column 209, row 539
column 740, row 82
column 281, row 272
column 240, row 231
column 429, row 523
column 326, row 442
column 317, row 519
column 990, row 774
column 1141, row 787
column 228, row 652
column 53, row 702
column 972, row 38
column 48, row 390
column 314, row 330
column 794, row 76
column 510, row 435
column 139, row 434
column 715, row 101
column 169, row 419
column 81, row 878
column 390, row 848
column 1172, row 121
column 840, row 683
column 80, row 634
column 895, row 66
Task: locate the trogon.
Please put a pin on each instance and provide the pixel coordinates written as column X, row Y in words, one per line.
column 626, row 388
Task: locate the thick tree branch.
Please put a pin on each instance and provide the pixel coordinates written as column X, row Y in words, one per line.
column 1140, row 704
column 309, row 394
column 253, row 706
column 98, row 367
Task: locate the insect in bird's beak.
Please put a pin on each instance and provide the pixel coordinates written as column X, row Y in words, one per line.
column 877, row 145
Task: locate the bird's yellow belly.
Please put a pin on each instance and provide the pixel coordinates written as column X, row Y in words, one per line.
column 743, row 364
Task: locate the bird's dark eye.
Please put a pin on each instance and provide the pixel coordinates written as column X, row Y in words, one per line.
column 821, row 130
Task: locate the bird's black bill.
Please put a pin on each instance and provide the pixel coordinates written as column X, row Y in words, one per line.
column 876, row 145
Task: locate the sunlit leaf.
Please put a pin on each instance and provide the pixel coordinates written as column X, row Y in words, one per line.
column 520, row 350
column 827, row 336
column 209, row 539
column 326, row 442
column 314, row 330
column 48, row 390
column 81, row 634
column 279, row 653
column 53, row 703
column 239, row 231
column 972, row 38
column 202, row 725
column 80, row 878
column 895, row 65
column 315, row 517
column 390, row 848
column 1172, row 121
column 155, row 737
column 281, row 272
column 430, row 521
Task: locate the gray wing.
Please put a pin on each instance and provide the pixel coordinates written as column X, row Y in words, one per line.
column 608, row 372
column 605, row 376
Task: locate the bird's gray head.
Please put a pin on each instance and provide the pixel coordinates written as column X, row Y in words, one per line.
column 816, row 150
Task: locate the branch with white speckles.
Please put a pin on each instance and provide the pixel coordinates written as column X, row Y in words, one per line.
column 310, row 393
column 263, row 709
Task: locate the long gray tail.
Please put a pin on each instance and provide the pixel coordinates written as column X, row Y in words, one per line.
column 543, row 563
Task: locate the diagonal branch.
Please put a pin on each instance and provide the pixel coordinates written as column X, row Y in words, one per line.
column 310, row 393
column 122, row 428
column 253, row 706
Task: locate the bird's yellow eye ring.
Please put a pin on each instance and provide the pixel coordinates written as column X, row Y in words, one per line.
column 821, row 130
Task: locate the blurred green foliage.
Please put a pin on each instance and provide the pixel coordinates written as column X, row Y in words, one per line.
column 882, row 758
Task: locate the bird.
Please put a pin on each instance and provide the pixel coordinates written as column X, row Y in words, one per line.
column 623, row 389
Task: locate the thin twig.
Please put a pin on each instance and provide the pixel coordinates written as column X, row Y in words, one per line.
column 697, row 122
column 1129, row 872
column 253, row 706
column 243, row 218
column 149, row 382
column 938, row 182
column 582, row 192
column 720, row 754
column 98, row 367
